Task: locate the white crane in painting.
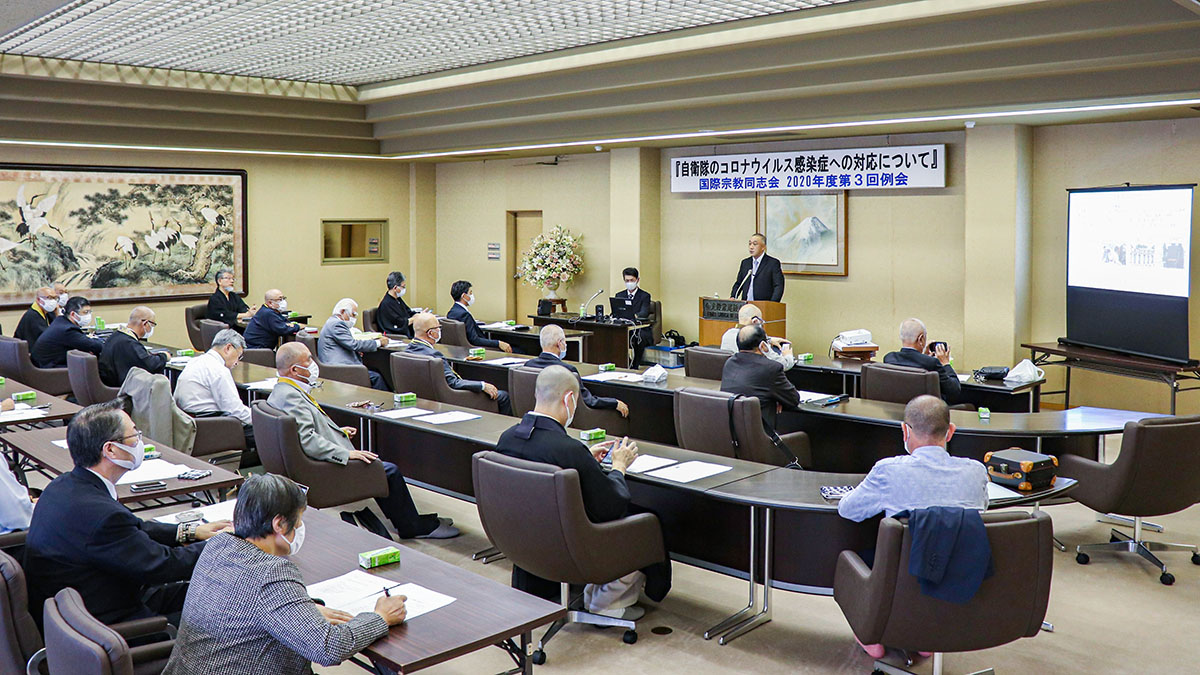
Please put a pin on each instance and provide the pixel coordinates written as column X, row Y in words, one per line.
column 188, row 240
column 7, row 245
column 210, row 214
column 33, row 216
column 126, row 246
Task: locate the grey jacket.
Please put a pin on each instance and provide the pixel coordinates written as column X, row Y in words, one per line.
column 337, row 346
column 320, row 438
column 155, row 412
column 452, row 378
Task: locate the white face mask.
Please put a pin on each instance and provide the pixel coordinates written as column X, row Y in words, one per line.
column 282, row 305
column 314, row 373
column 570, row 408
column 149, row 332
column 403, row 290
column 48, row 305
column 138, row 451
column 62, row 299
column 297, row 541
column 631, row 286
column 84, row 320
column 227, row 284
column 563, row 353
column 469, row 300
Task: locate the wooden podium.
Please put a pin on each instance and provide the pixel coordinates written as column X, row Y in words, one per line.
column 718, row 315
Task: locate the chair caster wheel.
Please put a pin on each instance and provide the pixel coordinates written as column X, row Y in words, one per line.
column 629, row 637
column 1167, row 578
column 1082, row 558
column 538, row 657
column 1196, row 558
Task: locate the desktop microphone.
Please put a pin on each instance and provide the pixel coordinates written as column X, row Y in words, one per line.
column 589, row 300
column 742, row 283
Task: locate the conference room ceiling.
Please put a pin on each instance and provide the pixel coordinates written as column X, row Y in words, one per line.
column 865, row 67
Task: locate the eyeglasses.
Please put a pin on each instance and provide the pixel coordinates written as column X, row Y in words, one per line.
column 136, row 434
column 152, row 323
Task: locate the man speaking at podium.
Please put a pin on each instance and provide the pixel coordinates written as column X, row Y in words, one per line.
column 760, row 277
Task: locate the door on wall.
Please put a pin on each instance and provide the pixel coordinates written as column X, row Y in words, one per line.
column 523, row 226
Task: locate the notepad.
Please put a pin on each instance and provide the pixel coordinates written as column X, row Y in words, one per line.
column 997, row 491
column 152, row 469
column 21, row 411
column 178, row 360
column 506, row 361
column 496, row 325
column 687, row 472
column 62, row 444
column 401, row 413
column 358, row 591
column 448, row 417
column 646, row 463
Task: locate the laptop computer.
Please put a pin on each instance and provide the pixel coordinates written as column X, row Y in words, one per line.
column 622, row 308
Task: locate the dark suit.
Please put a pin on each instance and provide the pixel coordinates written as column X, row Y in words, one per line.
column 639, row 303
column 266, row 327
column 947, row 379
column 752, row 374
column 61, row 337
column 767, row 282
column 81, row 537
column 33, row 323
column 392, row 316
column 123, row 351
column 226, row 309
column 452, row 378
column 546, row 359
column 474, row 335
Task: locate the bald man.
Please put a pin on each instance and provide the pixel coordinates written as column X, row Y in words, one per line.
column 541, row 436
column 37, row 318
column 267, row 325
column 60, row 291
column 760, row 276
column 323, row 440
column 751, row 315
column 554, row 350
column 427, row 331
column 750, row 372
column 123, row 350
column 914, row 352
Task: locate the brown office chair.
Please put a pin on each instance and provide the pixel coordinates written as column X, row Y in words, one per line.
column 329, row 484
column 208, row 332
column 308, row 340
column 517, row 498
column 702, row 423
column 84, row 372
column 705, row 362
column 78, row 643
column 20, row 642
column 656, row 321
column 368, row 320
column 896, row 384
column 1157, row 473
column 521, row 385
column 424, row 376
column 15, row 363
column 884, row 605
column 219, row 441
column 454, row 333
column 192, row 316
column 259, row 356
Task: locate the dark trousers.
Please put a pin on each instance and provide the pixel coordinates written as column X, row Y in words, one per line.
column 399, row 508
column 377, row 381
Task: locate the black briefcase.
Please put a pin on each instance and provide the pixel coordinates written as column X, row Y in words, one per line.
column 1021, row 469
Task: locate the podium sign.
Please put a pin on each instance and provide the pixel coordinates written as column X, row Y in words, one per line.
column 719, row 309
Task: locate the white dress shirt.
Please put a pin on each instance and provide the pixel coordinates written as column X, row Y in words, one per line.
column 930, row 476
column 206, row 385
column 112, row 489
column 729, row 344
column 15, row 508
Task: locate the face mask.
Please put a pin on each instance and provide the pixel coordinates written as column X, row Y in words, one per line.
column 84, row 320
column 351, row 321
column 48, row 305
column 571, row 414
column 227, row 285
column 62, row 299
column 282, row 305
column 314, row 372
column 297, row 541
column 630, row 286
column 403, row 291
column 149, row 332
column 470, row 299
column 138, row 451
column 563, row 353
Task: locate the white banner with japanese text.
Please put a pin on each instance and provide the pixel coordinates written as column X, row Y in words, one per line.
column 891, row 168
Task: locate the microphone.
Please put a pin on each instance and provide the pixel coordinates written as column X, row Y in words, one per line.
column 738, row 291
column 594, row 296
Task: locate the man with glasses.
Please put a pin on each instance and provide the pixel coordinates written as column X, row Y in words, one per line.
column 225, row 305
column 37, row 318
column 426, row 333
column 751, row 315
column 124, row 567
column 124, row 350
column 267, row 325
column 205, row 388
column 64, row 334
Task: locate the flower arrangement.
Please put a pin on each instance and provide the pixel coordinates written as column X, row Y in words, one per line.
column 552, row 259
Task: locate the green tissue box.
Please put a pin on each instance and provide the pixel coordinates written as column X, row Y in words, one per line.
column 510, row 322
column 806, row 356
column 605, row 367
column 292, row 315
column 100, row 324
column 596, row 434
column 185, row 352
column 477, row 351
column 2, row 380
column 24, row 396
column 985, row 414
column 405, row 397
column 380, row 556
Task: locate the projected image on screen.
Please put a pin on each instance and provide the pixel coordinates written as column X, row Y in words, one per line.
column 1130, row 240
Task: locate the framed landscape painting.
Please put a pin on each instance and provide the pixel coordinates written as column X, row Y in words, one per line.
column 805, row 230
column 117, row 233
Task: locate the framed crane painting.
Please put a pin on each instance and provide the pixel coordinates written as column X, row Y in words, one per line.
column 119, row 234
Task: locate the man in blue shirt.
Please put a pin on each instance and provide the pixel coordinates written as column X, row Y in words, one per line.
column 267, row 325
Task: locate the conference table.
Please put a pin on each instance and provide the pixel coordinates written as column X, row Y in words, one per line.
column 609, row 342
column 46, row 407
column 529, row 341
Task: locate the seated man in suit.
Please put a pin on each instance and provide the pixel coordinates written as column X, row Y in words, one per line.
column 336, row 344
column 464, row 297
column 64, row 334
column 324, row 441
column 751, row 315
column 124, row 349
column 927, row 476
column 426, row 333
column 541, row 436
column 394, row 315
column 915, row 353
column 554, row 350
column 124, row 567
column 37, row 318
column 225, row 305
column 267, row 325
column 750, row 372
column 638, row 301
column 206, row 388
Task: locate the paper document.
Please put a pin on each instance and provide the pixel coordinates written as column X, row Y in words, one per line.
column 997, row 491
column 178, row 360
column 212, row 512
column 646, row 463
column 616, row 376
column 62, row 444
column 806, row 396
column 496, row 325
column 264, row 385
column 965, row 377
column 21, row 411
column 507, row 361
column 152, row 469
column 358, row 591
column 686, row 472
column 448, row 417
column 401, row 413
